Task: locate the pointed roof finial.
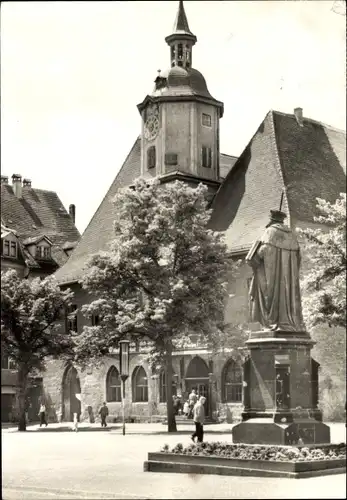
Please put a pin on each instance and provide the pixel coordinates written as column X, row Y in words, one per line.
column 181, row 26
column 181, row 21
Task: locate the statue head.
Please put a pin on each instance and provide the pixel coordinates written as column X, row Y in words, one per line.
column 276, row 217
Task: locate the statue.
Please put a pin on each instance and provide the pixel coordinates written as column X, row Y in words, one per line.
column 275, row 289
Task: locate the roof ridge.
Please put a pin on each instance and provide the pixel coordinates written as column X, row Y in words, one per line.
column 279, row 162
column 226, row 154
column 306, row 118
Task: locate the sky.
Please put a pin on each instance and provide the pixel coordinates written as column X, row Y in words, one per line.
column 72, row 74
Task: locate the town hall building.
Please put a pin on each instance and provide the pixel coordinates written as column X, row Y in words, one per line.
column 288, row 155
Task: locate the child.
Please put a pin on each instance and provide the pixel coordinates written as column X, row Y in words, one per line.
column 75, row 422
column 186, row 408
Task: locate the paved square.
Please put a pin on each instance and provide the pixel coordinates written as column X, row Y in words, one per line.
column 87, row 464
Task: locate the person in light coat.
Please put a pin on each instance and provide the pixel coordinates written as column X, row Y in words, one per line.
column 199, row 418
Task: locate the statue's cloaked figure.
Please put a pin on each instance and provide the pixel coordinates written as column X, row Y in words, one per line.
column 275, row 287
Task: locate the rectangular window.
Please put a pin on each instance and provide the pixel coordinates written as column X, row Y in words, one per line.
column 13, row 249
column 71, row 319
column 206, row 120
column 46, row 252
column 4, row 361
column 7, row 363
column 95, row 320
column 206, row 157
column 171, row 159
column 12, row 364
column 6, row 248
column 38, row 252
column 151, row 157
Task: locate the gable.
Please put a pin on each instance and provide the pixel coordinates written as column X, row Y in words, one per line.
column 37, row 214
column 313, row 160
column 99, row 232
column 303, row 162
column 251, row 189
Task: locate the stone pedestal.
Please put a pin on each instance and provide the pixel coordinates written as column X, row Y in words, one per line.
column 280, row 392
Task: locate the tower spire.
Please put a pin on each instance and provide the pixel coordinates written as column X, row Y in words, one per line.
column 181, row 40
column 181, row 21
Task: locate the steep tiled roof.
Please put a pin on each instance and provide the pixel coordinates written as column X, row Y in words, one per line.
column 226, row 163
column 38, row 213
column 303, row 162
column 99, row 232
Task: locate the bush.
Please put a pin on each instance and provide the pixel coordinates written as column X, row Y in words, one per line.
column 255, row 452
column 332, row 404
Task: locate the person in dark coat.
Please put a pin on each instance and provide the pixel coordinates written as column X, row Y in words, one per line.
column 103, row 412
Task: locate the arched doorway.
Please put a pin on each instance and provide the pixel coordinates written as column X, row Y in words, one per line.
column 71, row 387
column 197, row 378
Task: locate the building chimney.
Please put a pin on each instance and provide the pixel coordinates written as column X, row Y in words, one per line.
column 72, row 212
column 298, row 116
column 4, row 179
column 27, row 183
column 17, row 185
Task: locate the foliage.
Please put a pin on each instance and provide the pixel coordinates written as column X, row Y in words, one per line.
column 163, row 279
column 261, row 452
column 324, row 285
column 29, row 332
column 29, row 312
column 164, row 276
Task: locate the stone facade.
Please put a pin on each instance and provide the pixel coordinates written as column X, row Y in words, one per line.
column 93, row 386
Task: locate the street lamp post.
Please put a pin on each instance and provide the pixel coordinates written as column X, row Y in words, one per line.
column 124, row 372
column 210, row 392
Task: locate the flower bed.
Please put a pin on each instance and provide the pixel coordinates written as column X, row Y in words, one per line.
column 249, row 460
column 267, row 453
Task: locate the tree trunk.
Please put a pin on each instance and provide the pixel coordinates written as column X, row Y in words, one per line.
column 22, row 381
column 171, row 421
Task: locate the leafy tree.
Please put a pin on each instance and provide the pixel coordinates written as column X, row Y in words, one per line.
column 29, row 333
column 164, row 277
column 324, row 300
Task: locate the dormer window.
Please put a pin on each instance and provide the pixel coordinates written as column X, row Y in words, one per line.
column 9, row 249
column 43, row 252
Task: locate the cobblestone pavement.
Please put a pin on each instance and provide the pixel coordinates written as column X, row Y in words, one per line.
column 67, row 465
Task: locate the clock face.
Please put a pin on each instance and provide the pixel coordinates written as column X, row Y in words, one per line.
column 151, row 128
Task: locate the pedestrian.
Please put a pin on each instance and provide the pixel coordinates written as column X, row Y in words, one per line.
column 199, row 418
column 42, row 415
column 75, row 422
column 192, row 401
column 186, row 409
column 103, row 412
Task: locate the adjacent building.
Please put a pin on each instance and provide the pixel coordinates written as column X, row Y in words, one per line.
column 290, row 157
column 37, row 237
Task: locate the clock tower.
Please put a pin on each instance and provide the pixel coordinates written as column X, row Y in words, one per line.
column 180, row 118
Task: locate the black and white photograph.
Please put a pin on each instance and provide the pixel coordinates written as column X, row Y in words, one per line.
column 173, row 249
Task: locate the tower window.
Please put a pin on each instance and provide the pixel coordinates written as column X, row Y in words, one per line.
column 206, row 120
column 180, row 54
column 173, row 55
column 206, row 157
column 151, row 157
column 170, row 159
